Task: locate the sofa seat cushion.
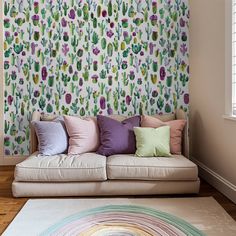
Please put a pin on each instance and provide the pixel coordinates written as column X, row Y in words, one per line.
column 174, row 168
column 62, row 168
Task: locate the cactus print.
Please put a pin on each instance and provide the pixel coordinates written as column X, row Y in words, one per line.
column 90, row 57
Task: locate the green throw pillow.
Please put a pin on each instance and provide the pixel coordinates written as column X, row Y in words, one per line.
column 151, row 142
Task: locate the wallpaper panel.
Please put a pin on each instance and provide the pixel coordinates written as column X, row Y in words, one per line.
column 92, row 57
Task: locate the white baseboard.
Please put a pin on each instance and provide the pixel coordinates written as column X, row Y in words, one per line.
column 221, row 184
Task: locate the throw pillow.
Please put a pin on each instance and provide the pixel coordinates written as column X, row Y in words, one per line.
column 117, row 137
column 83, row 134
column 52, row 137
column 176, row 131
column 152, row 142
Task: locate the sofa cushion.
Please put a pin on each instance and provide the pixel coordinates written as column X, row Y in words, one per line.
column 62, row 168
column 172, row 168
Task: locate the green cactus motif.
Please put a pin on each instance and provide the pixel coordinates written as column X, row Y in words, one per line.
column 110, row 8
column 110, row 49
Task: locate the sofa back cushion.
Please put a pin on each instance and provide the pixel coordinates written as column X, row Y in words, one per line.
column 176, row 131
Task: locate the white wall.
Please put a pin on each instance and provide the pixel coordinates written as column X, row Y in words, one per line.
column 213, row 138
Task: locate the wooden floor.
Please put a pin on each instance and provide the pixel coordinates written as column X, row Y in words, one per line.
column 10, row 206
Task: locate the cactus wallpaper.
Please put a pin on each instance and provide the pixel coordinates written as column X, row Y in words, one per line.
column 90, row 57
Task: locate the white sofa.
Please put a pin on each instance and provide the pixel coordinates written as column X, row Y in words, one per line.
column 91, row 174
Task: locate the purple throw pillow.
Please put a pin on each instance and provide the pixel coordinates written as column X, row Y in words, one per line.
column 117, row 137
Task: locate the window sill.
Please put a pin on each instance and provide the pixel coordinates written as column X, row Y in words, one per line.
column 229, row 117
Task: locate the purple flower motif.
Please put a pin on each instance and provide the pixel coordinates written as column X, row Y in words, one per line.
column 63, row 22
column 151, row 47
column 183, row 49
column 104, row 13
column 81, row 82
column 162, row 73
column 44, row 73
column 36, row 93
column 9, row 100
column 125, row 34
column 109, row 110
column 112, row 24
column 7, row 152
column 102, row 103
column 110, row 33
column 35, row 17
column 72, row 14
column 182, row 22
column 96, row 51
column 186, row 98
column 33, row 47
column 65, row 49
column 68, row 98
column 128, row 100
column 7, row 34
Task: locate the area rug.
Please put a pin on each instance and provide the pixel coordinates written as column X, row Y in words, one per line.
column 122, row 217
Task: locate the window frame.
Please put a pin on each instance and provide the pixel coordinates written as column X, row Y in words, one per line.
column 228, row 61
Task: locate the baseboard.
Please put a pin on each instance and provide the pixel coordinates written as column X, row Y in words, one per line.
column 11, row 160
column 221, row 184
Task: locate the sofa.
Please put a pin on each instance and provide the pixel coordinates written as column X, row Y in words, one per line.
column 90, row 174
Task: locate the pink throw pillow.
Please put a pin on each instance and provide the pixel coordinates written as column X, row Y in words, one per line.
column 83, row 134
column 176, row 131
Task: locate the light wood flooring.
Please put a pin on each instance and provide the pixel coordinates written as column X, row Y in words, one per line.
column 10, row 206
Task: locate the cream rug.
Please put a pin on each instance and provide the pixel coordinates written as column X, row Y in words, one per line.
column 122, row 217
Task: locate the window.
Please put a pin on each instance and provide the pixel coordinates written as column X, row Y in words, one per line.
column 230, row 60
column 234, row 57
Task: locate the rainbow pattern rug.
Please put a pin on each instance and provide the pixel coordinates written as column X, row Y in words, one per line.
column 122, row 220
column 122, row 217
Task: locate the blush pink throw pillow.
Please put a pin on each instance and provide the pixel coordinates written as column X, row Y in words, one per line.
column 176, row 131
column 83, row 134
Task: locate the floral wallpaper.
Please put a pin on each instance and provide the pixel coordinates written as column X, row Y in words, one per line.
column 92, row 57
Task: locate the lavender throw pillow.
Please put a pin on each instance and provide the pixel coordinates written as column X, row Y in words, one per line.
column 117, row 137
column 52, row 137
